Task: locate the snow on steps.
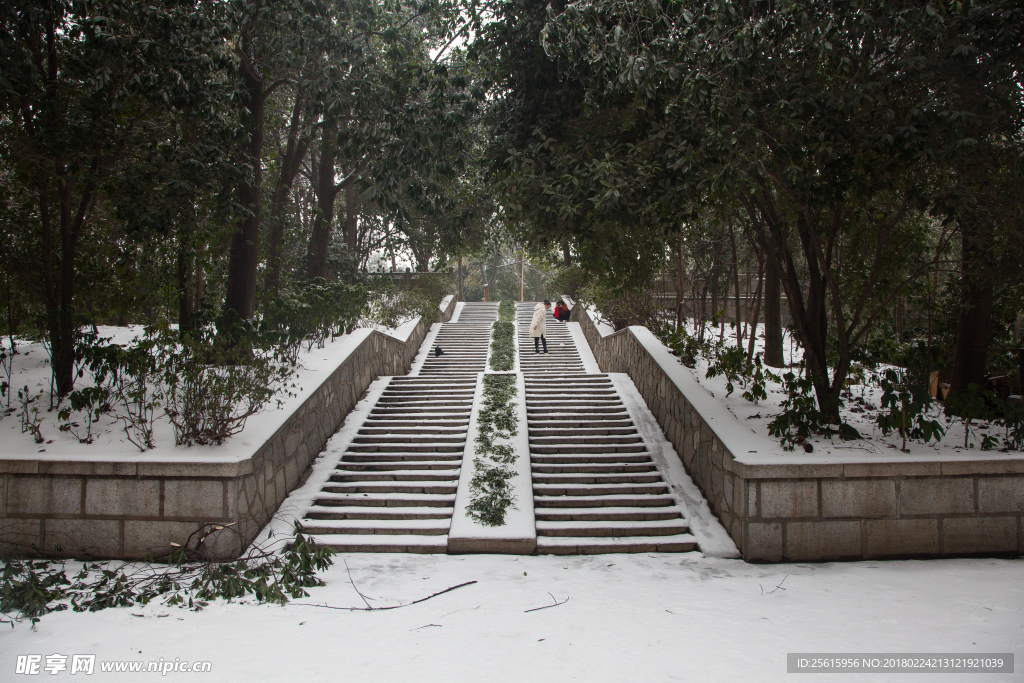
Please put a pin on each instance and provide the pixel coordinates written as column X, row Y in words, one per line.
column 596, row 487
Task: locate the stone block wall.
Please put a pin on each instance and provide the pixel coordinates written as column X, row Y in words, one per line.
column 136, row 508
column 806, row 512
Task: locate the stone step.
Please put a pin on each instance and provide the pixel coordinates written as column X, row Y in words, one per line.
column 392, row 421
column 596, row 449
column 353, row 512
column 400, row 457
column 544, row 420
column 557, row 545
column 399, row 466
column 592, row 467
column 351, row 476
column 568, row 411
column 412, row 402
column 404, row 487
column 579, row 430
column 573, row 403
column 544, row 489
column 419, row 394
column 384, row 499
column 425, row 412
column 404, row 448
column 582, row 378
column 409, row 438
column 394, row 527
column 413, row 430
column 609, row 513
column 593, row 440
column 602, row 501
column 572, row 400
column 612, row 528
column 569, row 458
column 580, row 478
column 566, row 392
column 369, row 543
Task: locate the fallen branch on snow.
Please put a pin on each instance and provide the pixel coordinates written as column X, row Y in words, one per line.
column 554, row 601
column 371, row 608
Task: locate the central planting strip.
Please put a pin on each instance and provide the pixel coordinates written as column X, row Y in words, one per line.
column 494, row 502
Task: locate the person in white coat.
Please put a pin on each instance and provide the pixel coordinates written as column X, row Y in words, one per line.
column 538, row 326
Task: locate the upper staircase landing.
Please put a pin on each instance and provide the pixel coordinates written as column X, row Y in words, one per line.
column 562, row 355
column 463, row 343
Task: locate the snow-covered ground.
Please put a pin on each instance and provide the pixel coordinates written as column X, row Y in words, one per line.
column 860, row 410
column 648, row 617
column 31, row 368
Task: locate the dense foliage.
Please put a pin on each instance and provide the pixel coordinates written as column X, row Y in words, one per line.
column 855, row 156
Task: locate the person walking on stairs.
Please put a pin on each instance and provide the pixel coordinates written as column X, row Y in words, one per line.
column 538, row 326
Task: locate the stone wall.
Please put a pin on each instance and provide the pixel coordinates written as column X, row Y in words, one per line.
column 132, row 509
column 801, row 512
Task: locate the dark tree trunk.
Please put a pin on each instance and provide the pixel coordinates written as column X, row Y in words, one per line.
column 680, row 300
column 326, row 193
column 60, row 308
column 773, row 355
column 243, row 258
column 974, row 321
column 294, row 153
column 351, row 215
column 756, row 312
column 715, row 276
column 813, row 329
column 185, row 261
column 566, row 257
column 736, row 282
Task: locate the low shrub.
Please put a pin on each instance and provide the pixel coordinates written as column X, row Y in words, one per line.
column 214, row 384
column 507, row 311
column 503, row 346
column 490, row 493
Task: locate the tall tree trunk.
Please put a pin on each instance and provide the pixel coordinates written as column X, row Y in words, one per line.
column 756, row 313
column 773, row 355
column 185, row 261
column 566, row 257
column 680, row 299
column 351, row 216
column 294, row 153
column 974, row 321
column 714, row 277
column 814, row 329
column 736, row 282
column 460, row 279
column 243, row 259
column 326, row 193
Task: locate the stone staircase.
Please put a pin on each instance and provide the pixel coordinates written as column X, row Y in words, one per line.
column 596, row 487
column 394, row 488
column 464, row 343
